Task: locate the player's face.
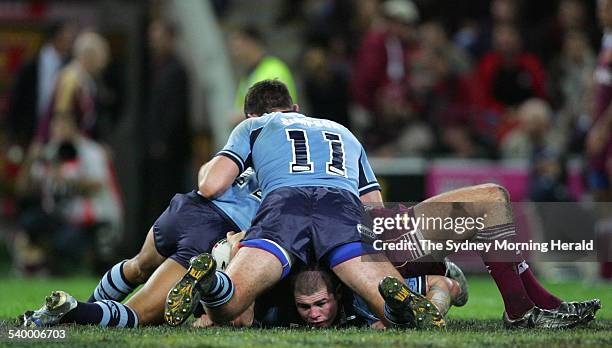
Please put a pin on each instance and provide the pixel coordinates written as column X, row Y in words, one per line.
column 318, row 309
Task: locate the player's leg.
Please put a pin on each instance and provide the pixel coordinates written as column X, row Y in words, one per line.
column 371, row 276
column 252, row 271
column 442, row 292
column 148, row 302
column 224, row 295
column 60, row 307
column 493, row 202
column 117, row 283
column 279, row 230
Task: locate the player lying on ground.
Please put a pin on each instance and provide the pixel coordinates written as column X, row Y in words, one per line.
column 310, row 171
column 527, row 303
column 322, row 301
column 190, row 226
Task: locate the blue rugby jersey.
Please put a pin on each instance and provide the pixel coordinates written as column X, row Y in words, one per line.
column 241, row 201
column 290, row 149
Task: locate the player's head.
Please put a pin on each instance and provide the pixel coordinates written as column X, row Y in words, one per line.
column 316, row 294
column 268, row 96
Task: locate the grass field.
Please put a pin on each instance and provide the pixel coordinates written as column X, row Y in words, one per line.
column 476, row 324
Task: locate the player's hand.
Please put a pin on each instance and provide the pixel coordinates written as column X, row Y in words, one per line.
column 378, row 325
column 203, row 321
column 246, row 318
column 233, row 239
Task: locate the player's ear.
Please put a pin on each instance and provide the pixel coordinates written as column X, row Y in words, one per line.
column 251, row 115
column 295, row 108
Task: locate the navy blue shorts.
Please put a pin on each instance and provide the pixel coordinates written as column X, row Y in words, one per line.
column 191, row 225
column 308, row 222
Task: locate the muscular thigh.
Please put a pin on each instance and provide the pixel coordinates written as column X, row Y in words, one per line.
column 148, row 302
column 487, row 200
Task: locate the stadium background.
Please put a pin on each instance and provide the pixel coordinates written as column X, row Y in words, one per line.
column 443, row 135
column 444, row 128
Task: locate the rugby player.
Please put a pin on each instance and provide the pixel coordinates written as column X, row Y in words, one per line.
column 527, row 303
column 189, row 226
column 321, row 301
column 315, row 297
column 310, row 172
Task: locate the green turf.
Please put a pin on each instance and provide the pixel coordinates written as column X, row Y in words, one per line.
column 476, row 324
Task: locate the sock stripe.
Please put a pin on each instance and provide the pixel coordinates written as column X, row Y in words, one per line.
column 103, row 293
column 224, row 291
column 111, row 290
column 218, row 284
column 134, row 318
column 112, row 286
column 221, row 301
column 123, row 315
column 96, row 295
column 106, row 313
column 492, row 233
column 499, row 227
column 497, row 236
column 128, row 285
column 223, row 287
column 118, row 278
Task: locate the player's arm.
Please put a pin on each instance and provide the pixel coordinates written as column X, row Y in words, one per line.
column 371, row 197
column 218, row 174
column 369, row 188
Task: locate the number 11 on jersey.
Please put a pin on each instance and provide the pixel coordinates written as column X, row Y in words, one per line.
column 301, row 153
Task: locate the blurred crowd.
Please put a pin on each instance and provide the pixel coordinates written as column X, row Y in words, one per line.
column 408, row 78
column 414, row 85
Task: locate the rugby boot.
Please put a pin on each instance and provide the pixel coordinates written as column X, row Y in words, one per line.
column 454, row 272
column 56, row 306
column 416, row 308
column 185, row 295
column 542, row 319
column 585, row 310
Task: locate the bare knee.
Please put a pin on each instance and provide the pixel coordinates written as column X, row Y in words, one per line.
column 492, row 193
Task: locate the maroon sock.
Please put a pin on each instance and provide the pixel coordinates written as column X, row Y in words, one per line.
column 516, row 299
column 537, row 293
column 502, row 265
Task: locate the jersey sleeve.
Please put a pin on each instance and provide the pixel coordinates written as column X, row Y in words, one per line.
column 367, row 179
column 238, row 147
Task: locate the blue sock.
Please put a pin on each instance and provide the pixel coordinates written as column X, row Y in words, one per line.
column 112, row 286
column 105, row 313
column 221, row 291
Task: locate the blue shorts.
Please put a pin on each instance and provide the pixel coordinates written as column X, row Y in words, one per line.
column 191, row 225
column 307, row 222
